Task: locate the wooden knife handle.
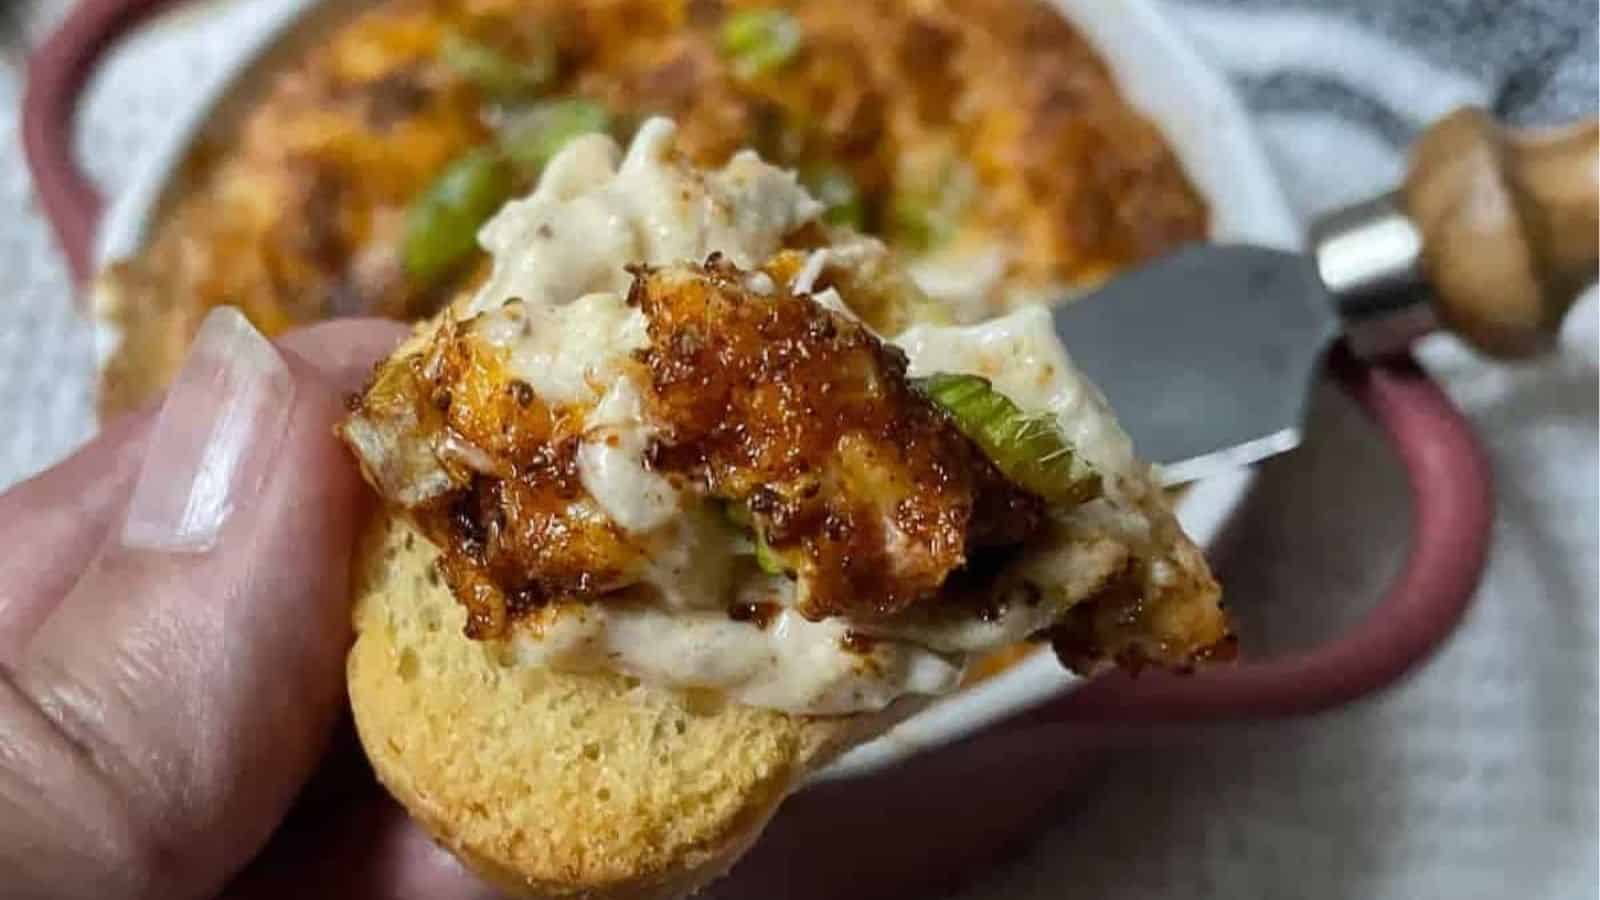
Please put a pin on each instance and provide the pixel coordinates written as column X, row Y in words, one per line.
column 1510, row 224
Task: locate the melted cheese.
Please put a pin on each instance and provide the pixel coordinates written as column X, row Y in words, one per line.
column 790, row 664
column 591, row 217
column 568, row 354
column 611, row 462
column 964, row 278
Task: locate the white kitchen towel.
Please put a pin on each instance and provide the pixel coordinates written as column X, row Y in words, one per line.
column 1474, row 779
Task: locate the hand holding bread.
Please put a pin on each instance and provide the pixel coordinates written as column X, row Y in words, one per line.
column 173, row 627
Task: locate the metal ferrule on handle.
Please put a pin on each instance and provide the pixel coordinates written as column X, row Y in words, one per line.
column 1370, row 259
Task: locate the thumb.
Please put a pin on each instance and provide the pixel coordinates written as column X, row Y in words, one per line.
column 170, row 707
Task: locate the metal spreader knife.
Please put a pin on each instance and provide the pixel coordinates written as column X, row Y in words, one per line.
column 1208, row 354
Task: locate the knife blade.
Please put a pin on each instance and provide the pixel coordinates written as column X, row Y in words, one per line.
column 1208, row 354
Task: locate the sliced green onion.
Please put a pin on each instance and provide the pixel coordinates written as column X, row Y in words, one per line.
column 760, row 41
column 767, row 558
column 497, row 74
column 915, row 223
column 836, row 189
column 928, row 206
column 1028, row 449
column 442, row 224
column 738, row 514
column 532, row 138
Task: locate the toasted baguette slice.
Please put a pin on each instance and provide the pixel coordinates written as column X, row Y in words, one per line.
column 551, row 784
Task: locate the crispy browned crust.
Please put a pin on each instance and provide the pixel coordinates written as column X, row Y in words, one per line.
column 295, row 215
column 1128, row 624
column 802, row 416
column 517, row 528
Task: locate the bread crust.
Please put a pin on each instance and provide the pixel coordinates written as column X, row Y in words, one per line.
column 561, row 785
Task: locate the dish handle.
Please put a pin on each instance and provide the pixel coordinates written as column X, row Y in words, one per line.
column 57, row 73
column 1452, row 514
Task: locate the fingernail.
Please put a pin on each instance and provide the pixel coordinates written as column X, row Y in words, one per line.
column 218, row 429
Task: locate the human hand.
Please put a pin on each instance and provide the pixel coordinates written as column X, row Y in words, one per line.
column 173, row 625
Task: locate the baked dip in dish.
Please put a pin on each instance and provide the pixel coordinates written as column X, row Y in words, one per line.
column 1200, row 122
column 303, row 98
column 983, row 140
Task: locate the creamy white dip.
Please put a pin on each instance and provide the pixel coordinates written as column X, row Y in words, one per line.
column 563, row 254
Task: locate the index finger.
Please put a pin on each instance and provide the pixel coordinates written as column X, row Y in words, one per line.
column 52, row 524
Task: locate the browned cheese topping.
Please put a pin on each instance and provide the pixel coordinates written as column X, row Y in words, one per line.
column 808, row 421
column 296, row 204
column 517, row 528
column 1127, row 624
column 794, row 413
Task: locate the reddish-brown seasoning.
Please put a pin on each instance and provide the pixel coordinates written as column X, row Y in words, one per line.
column 757, row 614
column 808, row 420
column 296, row 213
column 858, row 643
